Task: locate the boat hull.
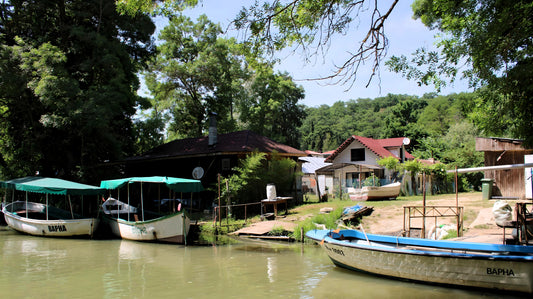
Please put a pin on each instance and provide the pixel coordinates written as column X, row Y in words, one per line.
column 489, row 270
column 50, row 228
column 170, row 229
column 390, row 191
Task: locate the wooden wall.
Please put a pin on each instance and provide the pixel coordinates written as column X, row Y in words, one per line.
column 498, row 151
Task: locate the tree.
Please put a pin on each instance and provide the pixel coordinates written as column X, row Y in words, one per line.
column 488, row 42
column 271, row 108
column 391, row 163
column 196, row 72
column 69, row 85
column 249, row 180
column 401, row 120
column 154, row 7
column 310, row 26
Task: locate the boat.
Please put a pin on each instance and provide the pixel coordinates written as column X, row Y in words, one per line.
column 38, row 219
column 140, row 223
column 389, row 191
column 464, row 264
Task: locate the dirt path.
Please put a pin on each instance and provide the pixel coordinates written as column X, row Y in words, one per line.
column 477, row 217
column 479, row 225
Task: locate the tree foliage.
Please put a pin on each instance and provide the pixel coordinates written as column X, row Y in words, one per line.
column 153, row 7
column 488, row 42
column 310, row 26
column 249, row 181
column 68, row 73
column 270, row 106
column 196, row 72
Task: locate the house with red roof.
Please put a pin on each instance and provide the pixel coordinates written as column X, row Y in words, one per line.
column 356, row 159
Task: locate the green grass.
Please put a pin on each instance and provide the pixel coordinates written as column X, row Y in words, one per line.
column 310, row 210
column 328, row 220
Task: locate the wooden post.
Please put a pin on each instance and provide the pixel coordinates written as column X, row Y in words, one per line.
column 459, row 227
column 318, row 188
column 424, row 205
column 219, row 219
column 227, row 203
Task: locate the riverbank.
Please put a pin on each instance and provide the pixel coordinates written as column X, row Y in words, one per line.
column 388, row 216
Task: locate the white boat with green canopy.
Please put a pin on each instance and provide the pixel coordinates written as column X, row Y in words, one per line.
column 27, row 214
column 139, row 219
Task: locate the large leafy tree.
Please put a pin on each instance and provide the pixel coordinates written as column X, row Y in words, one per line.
column 155, row 7
column 271, row 107
column 488, row 42
column 68, row 85
column 402, row 120
column 196, row 72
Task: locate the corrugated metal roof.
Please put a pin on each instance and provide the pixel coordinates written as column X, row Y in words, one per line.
column 312, row 164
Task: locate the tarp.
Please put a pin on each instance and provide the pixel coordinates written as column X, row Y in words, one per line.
column 176, row 184
column 51, row 186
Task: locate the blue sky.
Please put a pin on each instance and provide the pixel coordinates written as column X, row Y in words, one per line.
column 405, row 36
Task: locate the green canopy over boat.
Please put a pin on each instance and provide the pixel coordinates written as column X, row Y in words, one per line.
column 51, row 186
column 176, row 184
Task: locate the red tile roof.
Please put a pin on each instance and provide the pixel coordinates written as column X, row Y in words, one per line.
column 235, row 142
column 391, row 142
column 377, row 146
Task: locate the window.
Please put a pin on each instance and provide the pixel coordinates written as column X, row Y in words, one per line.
column 358, row 154
column 226, row 164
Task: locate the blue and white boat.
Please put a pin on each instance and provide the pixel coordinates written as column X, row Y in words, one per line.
column 478, row 265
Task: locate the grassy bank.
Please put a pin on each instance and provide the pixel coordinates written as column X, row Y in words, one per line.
column 386, row 215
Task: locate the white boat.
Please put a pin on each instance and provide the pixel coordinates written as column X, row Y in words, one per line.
column 40, row 219
column 124, row 222
column 389, row 191
column 478, row 265
column 140, row 224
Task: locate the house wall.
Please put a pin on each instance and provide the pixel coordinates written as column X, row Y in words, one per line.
column 395, row 151
column 351, row 172
column 345, row 155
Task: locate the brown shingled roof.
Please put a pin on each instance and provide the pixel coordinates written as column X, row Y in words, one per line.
column 235, row 142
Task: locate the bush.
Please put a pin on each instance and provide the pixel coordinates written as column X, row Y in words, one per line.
column 328, row 220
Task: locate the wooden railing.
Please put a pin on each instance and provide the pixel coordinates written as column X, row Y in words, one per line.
column 432, row 212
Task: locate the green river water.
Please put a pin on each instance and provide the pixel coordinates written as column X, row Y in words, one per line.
column 37, row 267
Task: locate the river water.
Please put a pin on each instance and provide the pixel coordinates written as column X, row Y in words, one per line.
column 38, row 267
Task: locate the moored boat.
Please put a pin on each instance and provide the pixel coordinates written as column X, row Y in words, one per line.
column 478, row 265
column 142, row 224
column 40, row 219
column 389, row 191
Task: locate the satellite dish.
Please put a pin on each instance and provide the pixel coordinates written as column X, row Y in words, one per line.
column 198, row 173
column 406, row 141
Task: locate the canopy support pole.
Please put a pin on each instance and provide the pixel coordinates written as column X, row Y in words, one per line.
column 128, row 201
column 142, row 201
column 70, row 204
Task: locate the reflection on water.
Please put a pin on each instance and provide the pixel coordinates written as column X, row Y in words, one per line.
column 34, row 267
